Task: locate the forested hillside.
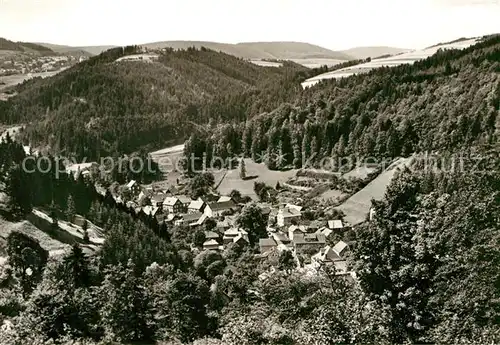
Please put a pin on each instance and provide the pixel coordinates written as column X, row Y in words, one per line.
column 446, row 102
column 427, row 273
column 103, row 107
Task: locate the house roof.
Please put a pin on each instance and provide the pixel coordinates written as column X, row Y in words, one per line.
column 158, row 198
column 224, row 198
column 294, row 207
column 340, row 248
column 267, row 242
column 201, row 220
column 235, row 232
column 191, row 217
column 294, row 228
column 309, row 239
column 210, row 243
column 171, row 189
column 196, row 204
column 131, row 184
column 240, row 237
column 170, row 201
column 221, row 206
column 150, row 210
column 325, row 231
column 184, row 199
column 289, row 213
column 211, row 235
column 335, row 224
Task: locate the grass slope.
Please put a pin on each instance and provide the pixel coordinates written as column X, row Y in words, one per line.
column 401, row 59
column 357, row 207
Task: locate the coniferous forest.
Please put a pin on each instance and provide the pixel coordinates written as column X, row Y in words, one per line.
column 427, row 266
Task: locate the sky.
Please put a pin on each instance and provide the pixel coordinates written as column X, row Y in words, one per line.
column 333, row 24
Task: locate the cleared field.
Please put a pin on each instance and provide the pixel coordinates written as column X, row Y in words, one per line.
column 168, row 160
column 232, row 178
column 332, row 194
column 361, row 172
column 357, row 207
column 266, row 63
column 317, row 62
column 405, row 58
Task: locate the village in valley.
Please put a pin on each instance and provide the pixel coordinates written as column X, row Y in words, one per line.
column 310, row 232
column 310, row 242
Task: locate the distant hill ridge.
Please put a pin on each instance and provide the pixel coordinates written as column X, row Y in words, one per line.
column 275, row 50
column 258, row 50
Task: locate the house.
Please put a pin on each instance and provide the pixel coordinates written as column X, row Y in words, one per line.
column 76, row 169
column 341, row 249
column 372, row 213
column 151, row 210
column 325, row 231
column 172, row 205
column 211, row 245
column 171, row 191
column 281, row 239
column 307, row 242
column 185, row 201
column 335, row 225
column 333, row 256
column 231, row 234
column 294, row 207
column 158, row 199
column 296, row 230
column 196, row 206
column 267, row 245
column 144, row 194
column 225, row 198
column 200, row 220
column 134, row 187
column 287, row 216
column 241, row 239
column 218, row 209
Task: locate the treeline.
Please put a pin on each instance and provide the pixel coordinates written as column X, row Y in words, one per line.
column 102, row 107
column 445, row 102
column 431, row 255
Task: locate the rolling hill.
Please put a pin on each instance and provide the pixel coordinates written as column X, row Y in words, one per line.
column 106, row 105
column 447, row 102
column 68, row 50
column 373, row 52
column 404, row 58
